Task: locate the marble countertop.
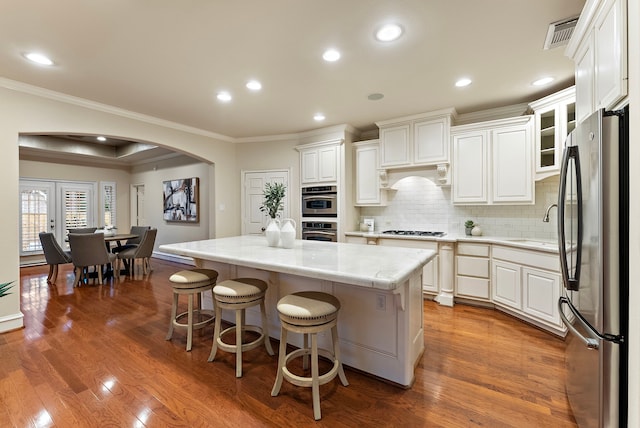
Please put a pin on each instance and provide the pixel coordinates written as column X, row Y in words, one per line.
column 373, row 266
column 545, row 245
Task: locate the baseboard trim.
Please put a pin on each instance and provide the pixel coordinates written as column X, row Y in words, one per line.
column 11, row 322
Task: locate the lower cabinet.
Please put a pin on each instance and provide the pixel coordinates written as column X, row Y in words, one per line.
column 472, row 271
column 527, row 284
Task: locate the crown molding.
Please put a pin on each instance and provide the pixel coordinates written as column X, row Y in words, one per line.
column 105, row 108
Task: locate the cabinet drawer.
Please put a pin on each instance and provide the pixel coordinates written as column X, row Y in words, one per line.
column 473, row 266
column 472, row 287
column 539, row 259
column 466, row 249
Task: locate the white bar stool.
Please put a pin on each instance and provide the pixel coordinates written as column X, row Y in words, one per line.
column 192, row 283
column 309, row 312
column 238, row 294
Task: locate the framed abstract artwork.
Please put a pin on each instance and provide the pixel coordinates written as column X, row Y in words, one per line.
column 181, row 200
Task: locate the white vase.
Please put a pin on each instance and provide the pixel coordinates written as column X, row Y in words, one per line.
column 476, row 231
column 272, row 232
column 288, row 233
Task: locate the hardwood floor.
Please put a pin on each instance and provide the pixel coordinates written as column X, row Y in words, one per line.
column 95, row 356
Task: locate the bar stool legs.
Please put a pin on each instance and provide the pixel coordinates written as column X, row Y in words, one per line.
column 237, row 295
column 309, row 313
column 192, row 283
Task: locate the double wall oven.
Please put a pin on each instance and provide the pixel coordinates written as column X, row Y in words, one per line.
column 320, row 213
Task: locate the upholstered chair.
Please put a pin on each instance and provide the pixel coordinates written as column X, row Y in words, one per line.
column 53, row 254
column 133, row 242
column 143, row 250
column 89, row 249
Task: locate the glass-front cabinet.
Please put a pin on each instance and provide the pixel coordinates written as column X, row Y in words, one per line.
column 555, row 118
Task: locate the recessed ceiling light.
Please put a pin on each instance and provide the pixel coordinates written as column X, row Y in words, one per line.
column 224, row 96
column 389, row 32
column 318, row 117
column 463, row 82
column 101, row 138
column 254, row 85
column 375, row 96
column 331, row 55
column 543, row 81
column 38, row 58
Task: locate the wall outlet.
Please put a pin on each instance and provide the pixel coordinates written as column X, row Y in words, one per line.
column 381, row 302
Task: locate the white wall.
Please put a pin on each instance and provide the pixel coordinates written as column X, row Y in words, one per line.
column 419, row 204
column 152, row 176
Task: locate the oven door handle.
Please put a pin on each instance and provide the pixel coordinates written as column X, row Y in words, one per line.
column 306, row 198
column 318, row 232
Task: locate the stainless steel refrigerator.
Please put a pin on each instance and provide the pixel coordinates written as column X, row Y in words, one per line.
column 593, row 238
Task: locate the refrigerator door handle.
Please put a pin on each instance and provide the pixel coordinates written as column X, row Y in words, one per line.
column 615, row 338
column 590, row 342
column 571, row 279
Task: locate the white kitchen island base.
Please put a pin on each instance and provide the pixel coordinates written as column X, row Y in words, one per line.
column 380, row 324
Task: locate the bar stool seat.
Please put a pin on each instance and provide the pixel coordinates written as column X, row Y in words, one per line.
column 192, row 283
column 309, row 312
column 237, row 295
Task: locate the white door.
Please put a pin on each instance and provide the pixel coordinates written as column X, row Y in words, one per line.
column 138, row 217
column 254, row 221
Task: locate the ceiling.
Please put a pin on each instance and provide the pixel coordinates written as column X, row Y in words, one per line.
column 168, row 59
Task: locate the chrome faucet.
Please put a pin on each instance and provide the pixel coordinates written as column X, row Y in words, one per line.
column 546, row 214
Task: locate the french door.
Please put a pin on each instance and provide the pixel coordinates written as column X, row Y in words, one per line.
column 54, row 206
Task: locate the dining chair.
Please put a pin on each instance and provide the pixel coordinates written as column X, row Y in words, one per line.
column 143, row 251
column 133, row 242
column 88, row 249
column 53, row 254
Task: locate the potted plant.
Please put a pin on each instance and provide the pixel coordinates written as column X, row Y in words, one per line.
column 468, row 226
column 4, row 288
column 272, row 204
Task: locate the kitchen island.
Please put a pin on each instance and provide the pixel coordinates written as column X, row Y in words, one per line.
column 380, row 289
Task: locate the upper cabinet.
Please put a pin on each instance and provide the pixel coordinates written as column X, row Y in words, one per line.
column 367, row 163
column 415, row 140
column 319, row 163
column 599, row 49
column 493, row 162
column 554, row 118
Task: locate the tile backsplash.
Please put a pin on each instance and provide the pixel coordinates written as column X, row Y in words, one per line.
column 417, row 203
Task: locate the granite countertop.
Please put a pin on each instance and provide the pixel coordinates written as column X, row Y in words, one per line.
column 546, row 245
column 366, row 266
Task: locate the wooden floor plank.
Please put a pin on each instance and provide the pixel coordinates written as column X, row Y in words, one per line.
column 96, row 356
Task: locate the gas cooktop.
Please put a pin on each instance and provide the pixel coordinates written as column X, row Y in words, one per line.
column 414, row 233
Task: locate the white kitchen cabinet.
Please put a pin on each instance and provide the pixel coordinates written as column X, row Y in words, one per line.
column 526, row 283
column 598, row 47
column 415, row 140
column 431, row 141
column 395, row 145
column 554, row 119
column 493, row 162
column 540, row 294
column 512, row 167
column 367, row 171
column 470, row 165
column 506, row 283
column 319, row 163
column 472, row 271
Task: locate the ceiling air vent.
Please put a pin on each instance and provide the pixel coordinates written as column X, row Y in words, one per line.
column 560, row 32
